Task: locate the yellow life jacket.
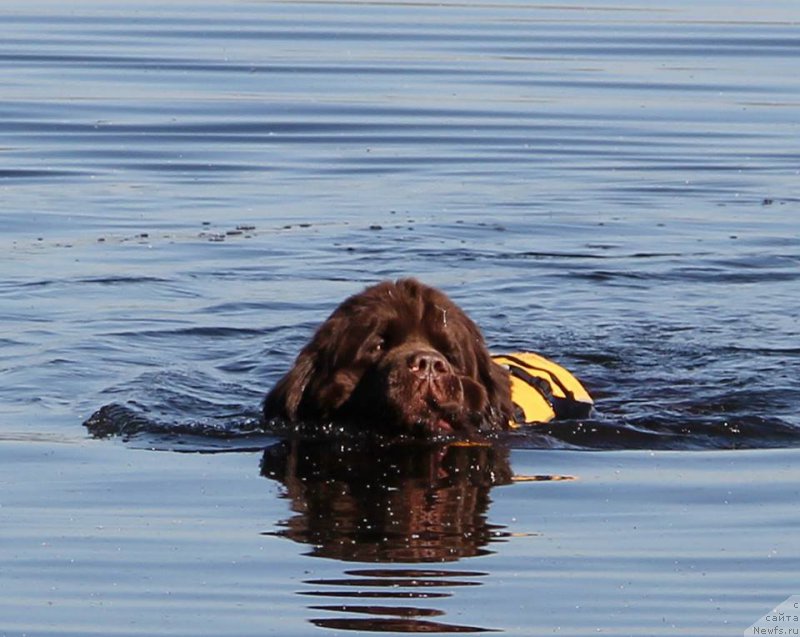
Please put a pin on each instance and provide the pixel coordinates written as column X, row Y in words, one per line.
column 542, row 391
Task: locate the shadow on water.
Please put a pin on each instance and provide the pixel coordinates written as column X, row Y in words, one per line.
column 394, row 503
column 410, row 504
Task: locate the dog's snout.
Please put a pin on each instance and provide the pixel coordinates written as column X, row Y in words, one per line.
column 428, row 363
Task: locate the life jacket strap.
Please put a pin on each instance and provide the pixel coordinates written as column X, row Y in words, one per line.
column 542, row 390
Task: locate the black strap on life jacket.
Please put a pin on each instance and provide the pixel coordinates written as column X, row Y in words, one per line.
column 564, row 408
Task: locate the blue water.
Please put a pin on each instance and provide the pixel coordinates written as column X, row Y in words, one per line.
column 188, row 189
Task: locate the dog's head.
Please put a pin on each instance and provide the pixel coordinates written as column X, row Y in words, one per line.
column 398, row 356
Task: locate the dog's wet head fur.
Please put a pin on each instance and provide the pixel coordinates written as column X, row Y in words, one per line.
column 399, row 356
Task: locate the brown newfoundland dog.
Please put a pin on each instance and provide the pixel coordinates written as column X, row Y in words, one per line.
column 399, row 357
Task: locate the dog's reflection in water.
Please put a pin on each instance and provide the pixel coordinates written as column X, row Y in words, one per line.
column 410, row 503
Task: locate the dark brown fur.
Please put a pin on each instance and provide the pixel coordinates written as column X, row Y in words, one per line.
column 399, row 356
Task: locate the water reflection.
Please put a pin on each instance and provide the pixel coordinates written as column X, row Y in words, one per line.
column 408, row 503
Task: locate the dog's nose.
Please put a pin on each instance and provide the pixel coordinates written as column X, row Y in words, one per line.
column 428, row 363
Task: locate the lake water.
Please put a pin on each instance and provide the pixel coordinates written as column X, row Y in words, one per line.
column 188, row 189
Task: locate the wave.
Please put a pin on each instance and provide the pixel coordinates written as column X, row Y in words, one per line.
column 137, row 426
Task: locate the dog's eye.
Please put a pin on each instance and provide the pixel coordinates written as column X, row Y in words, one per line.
column 376, row 345
column 451, row 353
column 454, row 358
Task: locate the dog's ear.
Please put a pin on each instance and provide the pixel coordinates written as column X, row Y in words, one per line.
column 498, row 388
column 495, row 404
column 284, row 400
column 301, row 394
column 499, row 410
